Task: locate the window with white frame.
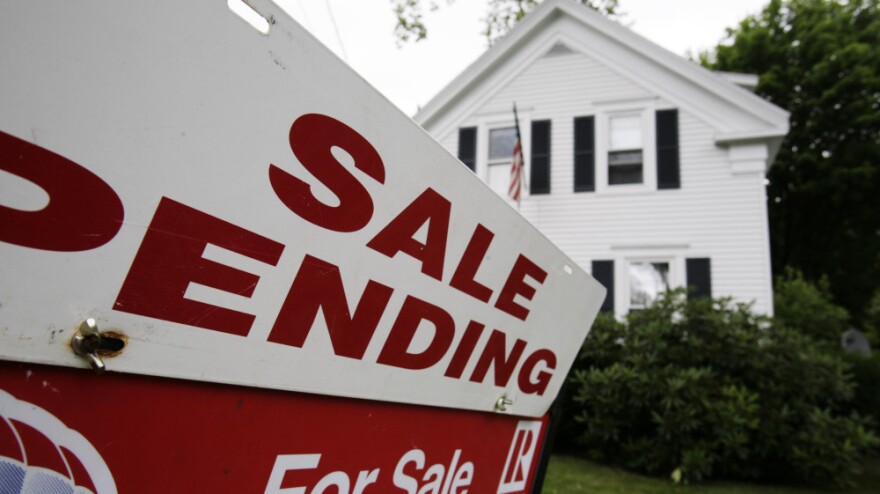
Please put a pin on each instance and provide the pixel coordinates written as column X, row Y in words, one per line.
column 648, row 280
column 501, row 142
column 625, row 149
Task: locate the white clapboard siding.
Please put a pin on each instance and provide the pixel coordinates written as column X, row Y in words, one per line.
column 715, row 214
column 568, row 82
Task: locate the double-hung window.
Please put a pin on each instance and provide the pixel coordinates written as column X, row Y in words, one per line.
column 637, row 282
column 625, row 149
column 487, row 149
column 501, row 142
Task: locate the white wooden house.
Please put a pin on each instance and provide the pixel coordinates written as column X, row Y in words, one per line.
column 645, row 168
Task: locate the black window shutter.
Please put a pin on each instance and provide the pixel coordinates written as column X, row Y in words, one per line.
column 467, row 147
column 539, row 179
column 584, row 154
column 603, row 271
column 668, row 176
column 699, row 277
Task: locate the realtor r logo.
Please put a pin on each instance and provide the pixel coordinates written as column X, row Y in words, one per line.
column 520, row 456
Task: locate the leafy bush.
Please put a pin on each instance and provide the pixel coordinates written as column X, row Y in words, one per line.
column 706, row 388
column 866, row 378
column 871, row 321
column 566, row 437
column 808, row 308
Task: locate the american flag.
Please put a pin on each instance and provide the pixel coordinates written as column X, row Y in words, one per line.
column 516, row 167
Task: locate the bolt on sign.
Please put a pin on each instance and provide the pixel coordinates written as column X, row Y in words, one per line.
column 291, row 286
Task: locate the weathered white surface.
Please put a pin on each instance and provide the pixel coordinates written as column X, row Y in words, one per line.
column 184, row 100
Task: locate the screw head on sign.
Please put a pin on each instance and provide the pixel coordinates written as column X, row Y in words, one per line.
column 89, row 326
column 85, row 342
column 503, row 403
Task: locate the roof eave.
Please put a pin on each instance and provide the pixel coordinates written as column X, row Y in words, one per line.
column 776, row 118
column 476, row 70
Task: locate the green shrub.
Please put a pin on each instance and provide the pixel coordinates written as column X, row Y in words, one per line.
column 709, row 389
column 871, row 321
column 808, row 308
column 605, row 326
column 866, row 379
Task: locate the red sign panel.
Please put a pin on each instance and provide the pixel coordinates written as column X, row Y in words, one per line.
column 73, row 431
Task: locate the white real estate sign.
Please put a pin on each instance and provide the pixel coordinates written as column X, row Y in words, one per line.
column 245, row 209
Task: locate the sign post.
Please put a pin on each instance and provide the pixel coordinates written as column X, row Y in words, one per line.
column 289, row 284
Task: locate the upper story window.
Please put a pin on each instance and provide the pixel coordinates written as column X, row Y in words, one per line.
column 487, row 149
column 625, row 149
column 501, row 142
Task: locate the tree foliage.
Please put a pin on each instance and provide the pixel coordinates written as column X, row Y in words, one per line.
column 410, row 19
column 871, row 322
column 807, row 308
column 706, row 389
column 820, row 60
column 500, row 18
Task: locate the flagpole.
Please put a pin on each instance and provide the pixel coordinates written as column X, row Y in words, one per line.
column 523, row 178
column 516, row 120
column 517, row 170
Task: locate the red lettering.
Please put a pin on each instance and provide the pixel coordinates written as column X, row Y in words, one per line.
column 516, row 285
column 465, row 349
column 414, row 311
column 430, row 207
column 539, row 385
column 463, row 278
column 318, row 285
column 170, row 257
column 83, row 211
column 494, row 355
column 312, row 137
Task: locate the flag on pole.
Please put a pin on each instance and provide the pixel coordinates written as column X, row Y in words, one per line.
column 516, row 167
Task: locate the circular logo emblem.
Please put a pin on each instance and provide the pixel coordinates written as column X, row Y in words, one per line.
column 39, row 454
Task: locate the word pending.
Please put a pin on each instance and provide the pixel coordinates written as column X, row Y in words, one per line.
column 170, row 258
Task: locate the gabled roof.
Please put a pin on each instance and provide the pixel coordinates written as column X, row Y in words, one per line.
column 739, row 115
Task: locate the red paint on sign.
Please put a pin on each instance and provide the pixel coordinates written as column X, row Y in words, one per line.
column 163, row 435
column 170, row 258
column 83, row 212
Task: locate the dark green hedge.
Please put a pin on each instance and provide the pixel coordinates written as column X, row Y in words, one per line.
column 707, row 389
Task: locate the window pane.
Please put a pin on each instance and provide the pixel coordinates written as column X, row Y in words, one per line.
column 501, row 143
column 625, row 132
column 499, row 178
column 625, row 157
column 624, row 174
column 647, row 280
